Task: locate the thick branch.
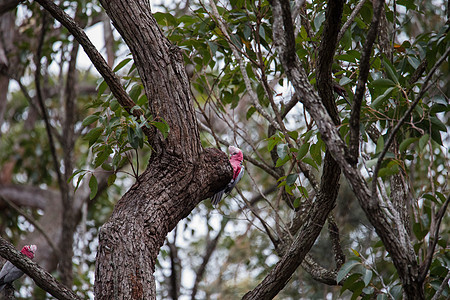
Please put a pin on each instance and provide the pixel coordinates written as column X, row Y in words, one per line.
column 402, row 254
column 6, row 6
column 364, row 68
column 42, row 278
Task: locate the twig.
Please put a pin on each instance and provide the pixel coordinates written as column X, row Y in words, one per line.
column 34, row 223
column 235, row 50
column 350, row 19
column 434, row 236
column 389, row 141
column 99, row 62
column 364, row 68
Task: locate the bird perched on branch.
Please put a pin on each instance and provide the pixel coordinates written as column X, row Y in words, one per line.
column 236, row 159
column 10, row 272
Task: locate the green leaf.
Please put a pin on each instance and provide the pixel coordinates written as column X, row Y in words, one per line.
column 122, row 64
column 89, row 120
column 414, row 62
column 93, row 135
column 112, row 179
column 405, row 144
column 79, row 181
column 367, row 276
column 423, row 141
column 318, row 20
column 431, row 198
column 291, row 178
column 419, row 232
column 74, row 174
column 348, row 283
column 93, row 185
column 438, row 124
column 135, row 92
column 345, row 269
column 380, row 99
column 101, row 87
column 380, row 144
column 163, row 127
column 344, row 80
column 390, row 70
column 293, row 134
column 102, row 156
column 357, row 289
column 382, row 83
column 310, row 162
column 303, row 150
column 281, row 162
column 250, row 112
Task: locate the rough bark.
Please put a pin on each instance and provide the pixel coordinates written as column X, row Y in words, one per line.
column 180, row 173
column 279, row 276
column 42, row 278
column 401, row 251
column 130, row 241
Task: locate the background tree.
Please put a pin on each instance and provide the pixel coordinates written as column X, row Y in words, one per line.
column 269, row 77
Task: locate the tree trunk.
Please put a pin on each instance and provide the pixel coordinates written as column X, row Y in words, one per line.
column 179, row 175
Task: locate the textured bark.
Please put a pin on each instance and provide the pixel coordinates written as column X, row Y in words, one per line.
column 6, row 45
column 401, row 251
column 41, row 277
column 180, row 173
column 364, row 68
column 279, row 276
column 130, row 241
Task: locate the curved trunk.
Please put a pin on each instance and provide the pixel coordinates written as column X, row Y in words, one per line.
column 130, row 241
column 180, row 173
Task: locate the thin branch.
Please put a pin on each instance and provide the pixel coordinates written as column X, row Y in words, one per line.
column 350, row 19
column 40, row 98
column 364, row 68
column 238, row 57
column 389, row 141
column 434, row 237
column 34, row 223
column 99, row 62
column 41, row 277
column 441, row 287
column 333, row 230
column 210, row 247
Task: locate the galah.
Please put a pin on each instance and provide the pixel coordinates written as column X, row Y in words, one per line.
column 238, row 171
column 10, row 272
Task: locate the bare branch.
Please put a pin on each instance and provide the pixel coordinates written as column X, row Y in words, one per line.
column 99, row 62
column 34, row 223
column 434, row 237
column 350, row 19
column 364, row 68
column 41, row 277
column 6, row 6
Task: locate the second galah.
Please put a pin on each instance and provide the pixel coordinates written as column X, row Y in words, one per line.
column 10, row 272
column 238, row 171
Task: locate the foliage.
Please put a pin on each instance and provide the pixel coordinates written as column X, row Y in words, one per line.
column 237, row 82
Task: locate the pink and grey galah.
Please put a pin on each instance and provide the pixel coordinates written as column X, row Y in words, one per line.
column 10, row 272
column 238, row 171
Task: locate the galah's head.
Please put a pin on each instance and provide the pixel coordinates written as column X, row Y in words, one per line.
column 29, row 250
column 236, row 153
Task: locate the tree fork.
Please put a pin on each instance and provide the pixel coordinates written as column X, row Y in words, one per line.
column 130, row 241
